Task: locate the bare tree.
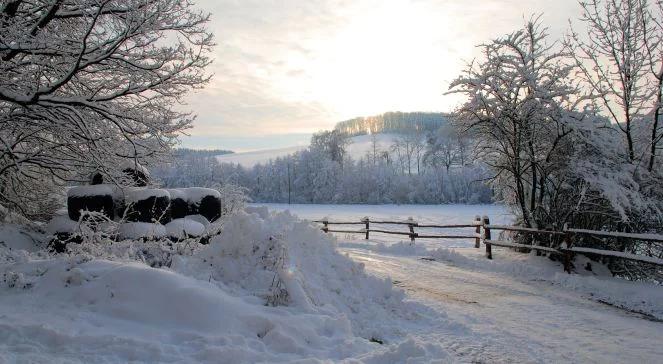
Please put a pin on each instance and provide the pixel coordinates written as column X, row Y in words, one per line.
column 86, row 83
column 444, row 148
column 652, row 25
column 612, row 58
column 409, row 149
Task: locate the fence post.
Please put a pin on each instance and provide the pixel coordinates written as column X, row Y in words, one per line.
column 366, row 221
column 568, row 255
column 412, row 234
column 486, row 237
column 325, row 228
column 477, row 240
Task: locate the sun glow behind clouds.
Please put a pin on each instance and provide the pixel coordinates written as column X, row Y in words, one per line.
column 382, row 58
column 301, row 66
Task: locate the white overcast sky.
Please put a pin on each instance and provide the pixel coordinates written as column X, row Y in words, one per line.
column 285, row 69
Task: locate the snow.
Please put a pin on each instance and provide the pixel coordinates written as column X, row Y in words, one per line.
column 193, row 194
column 362, row 144
column 176, row 193
column 131, row 164
column 330, row 298
column 250, row 159
column 140, row 194
column 642, row 258
column 422, row 214
column 199, row 219
column 13, row 237
column 358, row 147
column 136, row 230
column 61, row 224
column 615, row 234
column 181, row 228
column 196, row 194
column 523, row 298
column 210, row 306
column 91, row 190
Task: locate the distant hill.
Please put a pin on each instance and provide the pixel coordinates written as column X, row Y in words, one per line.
column 388, row 126
column 393, row 122
column 183, row 152
column 357, row 148
column 249, row 159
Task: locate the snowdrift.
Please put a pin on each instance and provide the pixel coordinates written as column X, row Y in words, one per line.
column 286, row 261
column 269, row 288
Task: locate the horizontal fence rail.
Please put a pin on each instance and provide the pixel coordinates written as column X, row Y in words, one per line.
column 482, row 230
column 411, row 224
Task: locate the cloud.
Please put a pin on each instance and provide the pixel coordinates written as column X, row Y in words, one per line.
column 300, row 66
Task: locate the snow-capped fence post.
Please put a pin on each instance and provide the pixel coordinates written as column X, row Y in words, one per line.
column 411, row 224
column 325, row 228
column 486, row 237
column 367, row 226
column 477, row 240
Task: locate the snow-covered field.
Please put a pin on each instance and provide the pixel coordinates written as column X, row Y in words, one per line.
column 249, row 159
column 357, row 148
column 423, row 214
column 271, row 288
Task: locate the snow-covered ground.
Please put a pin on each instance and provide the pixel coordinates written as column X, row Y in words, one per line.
column 329, row 298
column 249, row 159
column 423, row 214
column 357, row 148
column 515, row 308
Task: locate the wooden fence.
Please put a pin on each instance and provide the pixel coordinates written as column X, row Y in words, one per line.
column 561, row 242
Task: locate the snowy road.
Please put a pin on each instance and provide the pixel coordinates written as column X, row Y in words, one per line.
column 516, row 308
column 519, row 320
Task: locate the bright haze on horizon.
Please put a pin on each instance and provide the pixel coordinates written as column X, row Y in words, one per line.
column 285, row 69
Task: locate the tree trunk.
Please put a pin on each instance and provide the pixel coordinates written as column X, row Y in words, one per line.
column 657, row 112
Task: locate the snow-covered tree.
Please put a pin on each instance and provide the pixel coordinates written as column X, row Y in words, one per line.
column 619, row 59
column 85, row 84
column 519, row 98
column 445, row 148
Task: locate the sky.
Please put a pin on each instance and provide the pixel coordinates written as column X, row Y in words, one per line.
column 285, row 69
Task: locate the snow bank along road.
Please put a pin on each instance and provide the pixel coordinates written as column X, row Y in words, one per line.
column 519, row 308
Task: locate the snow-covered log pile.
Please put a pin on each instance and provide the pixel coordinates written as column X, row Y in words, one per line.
column 179, row 207
column 187, row 214
column 204, row 201
column 90, row 198
column 147, row 205
column 135, row 212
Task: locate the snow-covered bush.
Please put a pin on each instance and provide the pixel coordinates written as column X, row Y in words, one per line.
column 233, row 197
